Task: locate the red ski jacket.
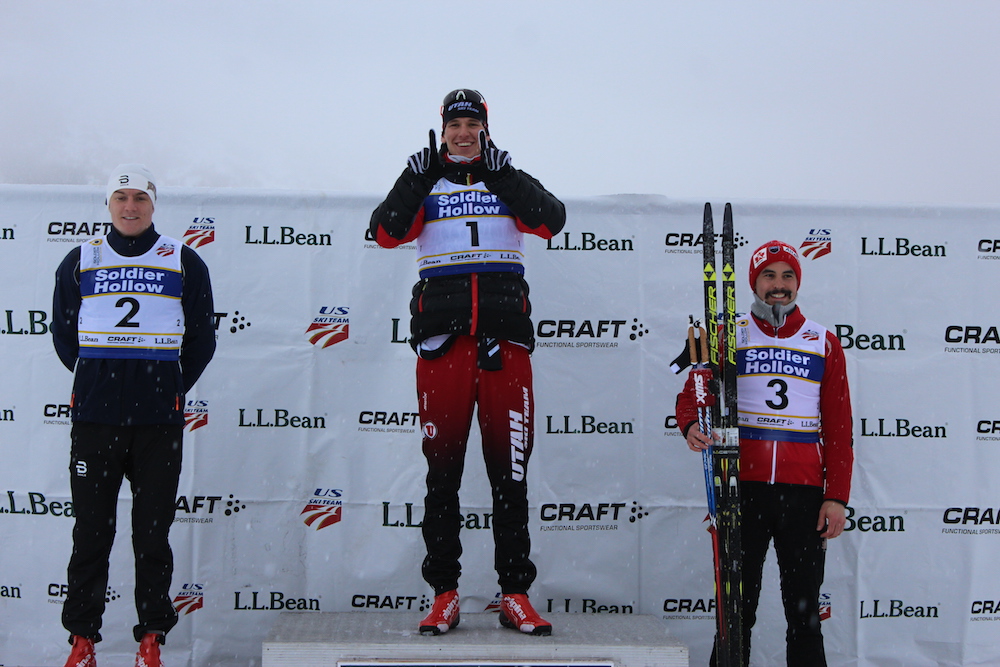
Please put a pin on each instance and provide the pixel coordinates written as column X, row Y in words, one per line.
column 828, row 464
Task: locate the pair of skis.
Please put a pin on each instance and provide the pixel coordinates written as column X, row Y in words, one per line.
column 713, row 356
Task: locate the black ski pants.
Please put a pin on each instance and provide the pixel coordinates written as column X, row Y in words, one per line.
column 787, row 514
column 100, row 456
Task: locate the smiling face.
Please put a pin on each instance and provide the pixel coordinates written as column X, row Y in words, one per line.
column 777, row 284
column 461, row 135
column 131, row 211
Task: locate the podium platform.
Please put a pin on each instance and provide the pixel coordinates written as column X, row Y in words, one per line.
column 359, row 639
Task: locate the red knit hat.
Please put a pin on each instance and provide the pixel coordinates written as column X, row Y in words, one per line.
column 769, row 253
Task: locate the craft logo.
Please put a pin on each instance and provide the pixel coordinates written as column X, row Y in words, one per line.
column 234, row 323
column 896, row 609
column 990, row 248
column 588, row 516
column 285, row 236
column 195, row 415
column 874, row 523
column 397, row 602
column 587, row 606
column 35, row 504
column 670, row 427
column 74, row 232
column 11, row 592
column 971, row 339
column 273, row 601
column 899, row 247
column 900, row 428
column 57, row 414
column 371, row 243
column 58, row 593
column 818, row 242
column 201, row 232
column 588, row 333
column 586, row 425
column 687, row 243
column 971, row 521
column 879, row 342
column 190, row 599
column 323, row 509
column 825, row 607
column 388, row 422
column 204, row 509
column 589, row 241
column 688, row 609
column 985, row 610
column 988, row 429
column 16, row 322
column 330, row 327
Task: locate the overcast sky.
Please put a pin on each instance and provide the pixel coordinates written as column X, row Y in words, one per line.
column 892, row 102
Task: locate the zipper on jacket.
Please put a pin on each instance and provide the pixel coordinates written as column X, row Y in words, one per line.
column 474, row 284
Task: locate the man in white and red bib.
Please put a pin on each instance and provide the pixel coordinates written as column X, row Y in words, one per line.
column 133, row 318
column 796, row 446
column 468, row 209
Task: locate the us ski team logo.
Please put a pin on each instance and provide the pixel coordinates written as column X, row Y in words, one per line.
column 201, row 232
column 819, row 242
column 195, row 415
column 825, row 607
column 190, row 599
column 330, row 327
column 324, row 509
column 165, row 250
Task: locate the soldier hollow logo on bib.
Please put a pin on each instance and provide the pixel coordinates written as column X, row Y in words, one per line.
column 330, row 327
column 323, row 509
column 201, row 232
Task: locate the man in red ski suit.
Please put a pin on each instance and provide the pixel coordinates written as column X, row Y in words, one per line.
column 796, row 447
column 468, row 209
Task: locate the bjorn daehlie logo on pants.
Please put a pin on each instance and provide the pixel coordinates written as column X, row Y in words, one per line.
column 518, row 435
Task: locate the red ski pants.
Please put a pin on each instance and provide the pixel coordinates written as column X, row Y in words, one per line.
column 448, row 390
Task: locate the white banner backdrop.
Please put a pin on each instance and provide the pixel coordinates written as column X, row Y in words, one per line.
column 302, row 484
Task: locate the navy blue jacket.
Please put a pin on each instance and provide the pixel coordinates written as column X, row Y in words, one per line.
column 131, row 392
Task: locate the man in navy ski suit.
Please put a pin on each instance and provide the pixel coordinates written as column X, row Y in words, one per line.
column 133, row 318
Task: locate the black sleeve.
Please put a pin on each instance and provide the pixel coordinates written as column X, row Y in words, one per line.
column 66, row 309
column 395, row 215
column 528, row 200
column 199, row 317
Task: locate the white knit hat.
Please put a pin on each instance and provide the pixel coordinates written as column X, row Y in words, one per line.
column 131, row 176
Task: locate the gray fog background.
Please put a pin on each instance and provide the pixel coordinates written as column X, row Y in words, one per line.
column 878, row 101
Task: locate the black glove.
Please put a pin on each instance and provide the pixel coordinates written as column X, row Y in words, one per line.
column 427, row 161
column 494, row 162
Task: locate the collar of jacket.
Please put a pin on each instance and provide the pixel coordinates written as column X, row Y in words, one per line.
column 793, row 322
column 133, row 246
